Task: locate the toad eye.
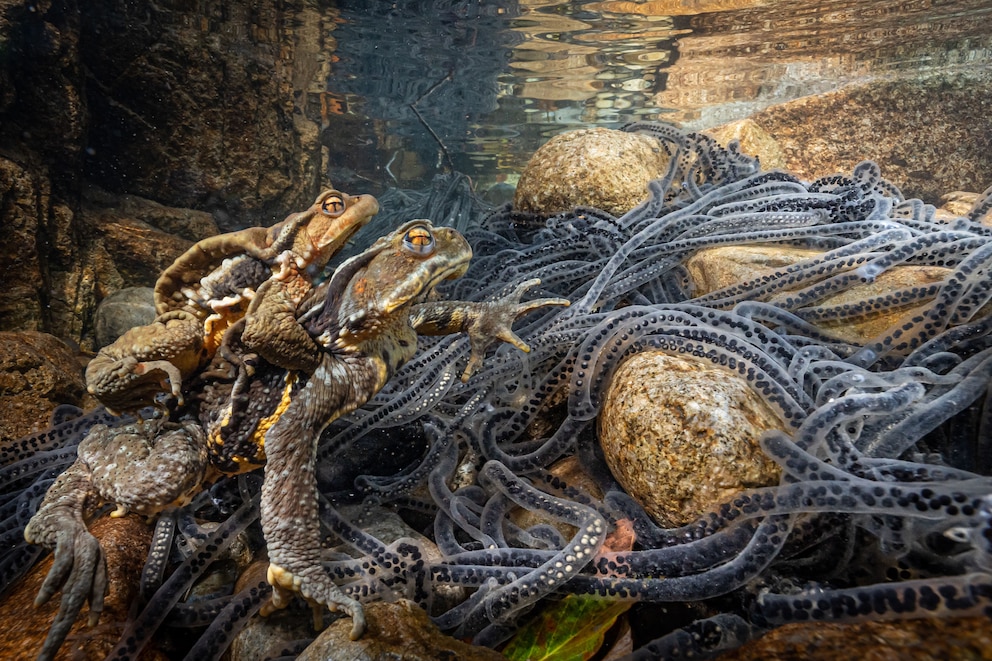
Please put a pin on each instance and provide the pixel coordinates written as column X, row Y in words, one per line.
column 419, row 240
column 333, row 205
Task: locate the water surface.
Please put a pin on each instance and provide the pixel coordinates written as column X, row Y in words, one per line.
column 477, row 86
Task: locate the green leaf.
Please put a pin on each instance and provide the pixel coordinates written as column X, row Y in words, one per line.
column 571, row 629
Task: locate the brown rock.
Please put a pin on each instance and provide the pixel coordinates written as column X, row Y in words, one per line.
column 716, row 268
column 210, row 117
column 754, row 141
column 928, row 136
column 957, row 203
column 138, row 251
column 964, row 639
column 597, row 167
column 25, row 206
column 125, row 542
column 399, row 630
column 188, row 224
column 37, row 373
column 681, row 435
column 263, row 637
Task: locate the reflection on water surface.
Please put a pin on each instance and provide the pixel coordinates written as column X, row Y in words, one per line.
column 479, row 85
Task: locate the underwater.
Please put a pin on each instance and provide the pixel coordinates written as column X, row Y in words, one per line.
column 533, row 329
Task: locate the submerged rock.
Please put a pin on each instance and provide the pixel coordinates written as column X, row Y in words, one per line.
column 37, row 373
column 929, row 639
column 597, row 167
column 121, row 311
column 928, row 136
column 681, row 435
column 400, row 630
column 715, row 268
column 753, row 140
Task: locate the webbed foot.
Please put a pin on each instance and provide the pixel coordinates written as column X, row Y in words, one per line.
column 495, row 321
column 79, row 568
column 132, row 371
column 317, row 588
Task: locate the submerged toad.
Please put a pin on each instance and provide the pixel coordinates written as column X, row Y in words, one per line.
column 213, row 285
column 360, row 326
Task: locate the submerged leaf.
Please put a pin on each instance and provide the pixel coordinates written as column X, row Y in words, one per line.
column 571, row 629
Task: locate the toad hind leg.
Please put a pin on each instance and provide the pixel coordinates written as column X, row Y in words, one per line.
column 79, row 568
column 140, row 467
column 289, row 509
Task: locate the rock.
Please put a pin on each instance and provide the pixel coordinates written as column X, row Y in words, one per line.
column 930, row 639
column 754, row 141
column 188, row 224
column 266, row 637
column 387, row 526
column 37, row 373
column 957, row 203
column 213, row 116
column 25, row 197
column 83, row 96
column 598, row 167
column 399, row 630
column 715, row 268
column 138, row 251
column 43, row 113
column 571, row 471
column 681, row 435
column 125, row 542
column 121, row 311
column 928, row 136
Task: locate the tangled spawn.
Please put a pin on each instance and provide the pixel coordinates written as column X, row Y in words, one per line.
column 884, row 507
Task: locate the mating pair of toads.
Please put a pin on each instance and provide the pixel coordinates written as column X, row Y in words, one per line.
column 265, row 361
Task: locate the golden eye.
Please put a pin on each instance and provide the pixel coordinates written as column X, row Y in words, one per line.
column 333, row 205
column 419, row 240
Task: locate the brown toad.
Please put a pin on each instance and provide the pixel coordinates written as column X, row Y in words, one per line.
column 361, row 326
column 213, row 285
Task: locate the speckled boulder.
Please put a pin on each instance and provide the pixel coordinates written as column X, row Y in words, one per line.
column 715, row 268
column 681, row 435
column 753, row 140
column 598, row 167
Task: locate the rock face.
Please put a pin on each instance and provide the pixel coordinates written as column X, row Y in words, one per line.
column 400, row 630
column 37, row 373
column 681, row 435
column 194, row 107
column 598, row 167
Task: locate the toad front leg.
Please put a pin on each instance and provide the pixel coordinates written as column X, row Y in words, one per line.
column 130, row 373
column 484, row 322
column 140, row 468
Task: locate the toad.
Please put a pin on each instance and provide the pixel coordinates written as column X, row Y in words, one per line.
column 213, row 285
column 360, row 326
